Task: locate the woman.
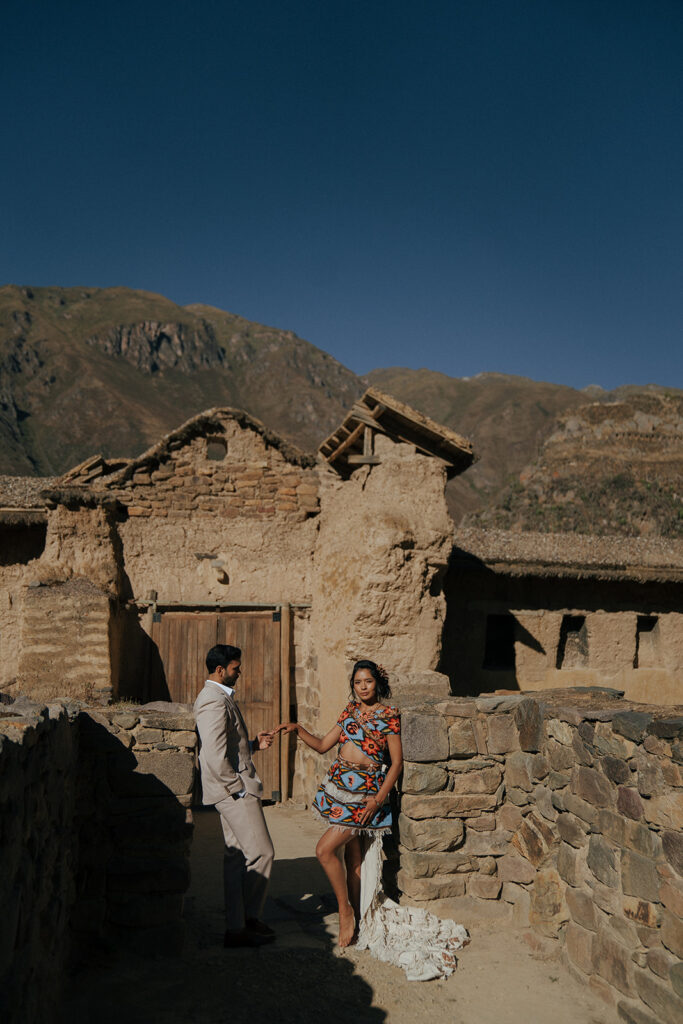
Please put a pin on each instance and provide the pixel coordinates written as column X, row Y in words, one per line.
column 353, row 800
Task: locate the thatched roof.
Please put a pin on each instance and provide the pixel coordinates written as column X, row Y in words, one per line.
column 351, row 444
column 18, row 493
column 573, row 555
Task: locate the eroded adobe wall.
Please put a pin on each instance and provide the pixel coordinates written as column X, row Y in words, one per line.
column 631, row 637
column 384, row 541
column 563, row 812
column 95, row 830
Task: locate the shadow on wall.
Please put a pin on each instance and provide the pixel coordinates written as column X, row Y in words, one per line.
column 136, row 662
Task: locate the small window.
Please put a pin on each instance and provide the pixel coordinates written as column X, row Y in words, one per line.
column 499, row 648
column 216, row 449
column 647, row 642
column 572, row 650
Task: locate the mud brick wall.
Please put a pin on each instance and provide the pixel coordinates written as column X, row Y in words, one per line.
column 564, row 813
column 253, row 480
column 95, row 829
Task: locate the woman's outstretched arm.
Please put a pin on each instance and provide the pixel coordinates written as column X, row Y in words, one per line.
column 314, row 742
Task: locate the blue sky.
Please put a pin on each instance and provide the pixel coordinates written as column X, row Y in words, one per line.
column 491, row 185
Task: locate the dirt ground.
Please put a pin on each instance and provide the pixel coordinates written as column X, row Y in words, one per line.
column 503, row 976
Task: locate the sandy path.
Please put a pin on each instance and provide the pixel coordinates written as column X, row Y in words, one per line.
column 304, row 978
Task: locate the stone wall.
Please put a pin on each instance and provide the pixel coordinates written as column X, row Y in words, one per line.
column 563, row 812
column 95, row 829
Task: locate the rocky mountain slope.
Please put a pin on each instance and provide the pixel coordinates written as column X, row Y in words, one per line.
column 87, row 370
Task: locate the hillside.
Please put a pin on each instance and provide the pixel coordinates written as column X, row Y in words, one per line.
column 87, row 370
column 84, row 370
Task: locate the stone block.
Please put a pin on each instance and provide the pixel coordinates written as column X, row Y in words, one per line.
column 676, row 978
column 572, row 830
column 425, row 737
column 560, row 731
column 633, row 1013
column 461, row 739
column 671, row 895
column 544, row 803
column 513, row 868
column 143, row 735
column 605, row 742
column 446, row 805
column 629, row 803
column 561, row 757
column 484, row 887
column 518, row 769
column 125, row 719
column 579, row 946
column 163, row 773
column 484, row 823
column 435, row 888
column 171, row 719
column 602, row 861
column 509, row 817
column 582, row 908
column 181, row 737
column 569, row 865
column 423, row 778
column 626, row 932
column 612, row 961
column 659, row 962
column 485, row 780
column 666, row 1005
column 650, row 777
column 641, row 912
column 616, row 769
column 670, row 728
column 485, row 844
column 557, row 780
column 576, row 805
column 549, row 909
column 487, row 865
column 606, row 899
column 631, row 724
column 528, row 716
column 518, row 796
column 672, row 846
column 582, row 752
column 672, row 933
column 534, row 839
column 426, row 865
column 592, row 786
column 639, row 876
column 540, row 767
column 430, row 834
column 502, row 734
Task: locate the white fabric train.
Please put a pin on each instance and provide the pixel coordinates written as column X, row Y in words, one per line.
column 421, row 943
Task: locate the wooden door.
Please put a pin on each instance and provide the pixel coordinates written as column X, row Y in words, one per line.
column 182, row 640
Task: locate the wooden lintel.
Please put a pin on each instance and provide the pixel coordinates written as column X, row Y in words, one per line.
column 363, row 460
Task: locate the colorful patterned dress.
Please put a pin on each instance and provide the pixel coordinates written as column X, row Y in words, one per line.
column 340, row 798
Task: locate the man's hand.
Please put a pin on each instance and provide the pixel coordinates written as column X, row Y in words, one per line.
column 265, row 739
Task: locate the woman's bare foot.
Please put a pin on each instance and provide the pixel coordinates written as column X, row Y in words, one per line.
column 347, row 926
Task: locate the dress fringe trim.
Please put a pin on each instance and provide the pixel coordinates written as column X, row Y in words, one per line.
column 355, row 830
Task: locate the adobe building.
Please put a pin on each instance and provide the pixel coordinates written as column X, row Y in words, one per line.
column 116, row 579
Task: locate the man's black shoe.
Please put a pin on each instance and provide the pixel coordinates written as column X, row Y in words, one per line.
column 259, row 928
column 243, row 938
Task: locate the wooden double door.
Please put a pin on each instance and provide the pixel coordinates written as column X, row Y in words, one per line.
column 182, row 639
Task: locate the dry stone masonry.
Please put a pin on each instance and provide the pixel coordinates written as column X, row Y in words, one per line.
column 564, row 813
column 95, row 830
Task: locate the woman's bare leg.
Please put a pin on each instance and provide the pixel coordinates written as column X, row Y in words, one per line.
column 353, row 858
column 327, row 851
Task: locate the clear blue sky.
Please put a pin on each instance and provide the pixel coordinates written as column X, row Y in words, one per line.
column 468, row 185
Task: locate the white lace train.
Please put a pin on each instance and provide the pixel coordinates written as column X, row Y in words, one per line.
column 421, row 943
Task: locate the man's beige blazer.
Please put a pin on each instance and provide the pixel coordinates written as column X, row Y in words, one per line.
column 224, row 754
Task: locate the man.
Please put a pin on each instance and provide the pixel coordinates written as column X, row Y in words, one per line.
column 230, row 782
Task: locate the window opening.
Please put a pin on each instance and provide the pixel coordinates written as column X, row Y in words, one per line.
column 499, row 646
column 572, row 650
column 648, row 653
column 216, row 449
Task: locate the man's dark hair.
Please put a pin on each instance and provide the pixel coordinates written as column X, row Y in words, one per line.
column 222, row 654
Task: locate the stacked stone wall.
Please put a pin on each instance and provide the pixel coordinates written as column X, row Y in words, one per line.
column 254, row 480
column 565, row 814
column 95, row 829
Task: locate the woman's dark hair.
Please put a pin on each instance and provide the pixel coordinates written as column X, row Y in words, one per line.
column 378, row 674
column 222, row 654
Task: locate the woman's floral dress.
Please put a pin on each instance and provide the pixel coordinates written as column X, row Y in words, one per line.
column 347, row 785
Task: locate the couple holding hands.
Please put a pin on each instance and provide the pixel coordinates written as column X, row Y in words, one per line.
column 352, row 798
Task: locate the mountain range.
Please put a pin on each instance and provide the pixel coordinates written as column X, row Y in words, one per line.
column 110, row 371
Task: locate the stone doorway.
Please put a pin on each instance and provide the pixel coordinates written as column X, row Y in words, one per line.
column 182, row 639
